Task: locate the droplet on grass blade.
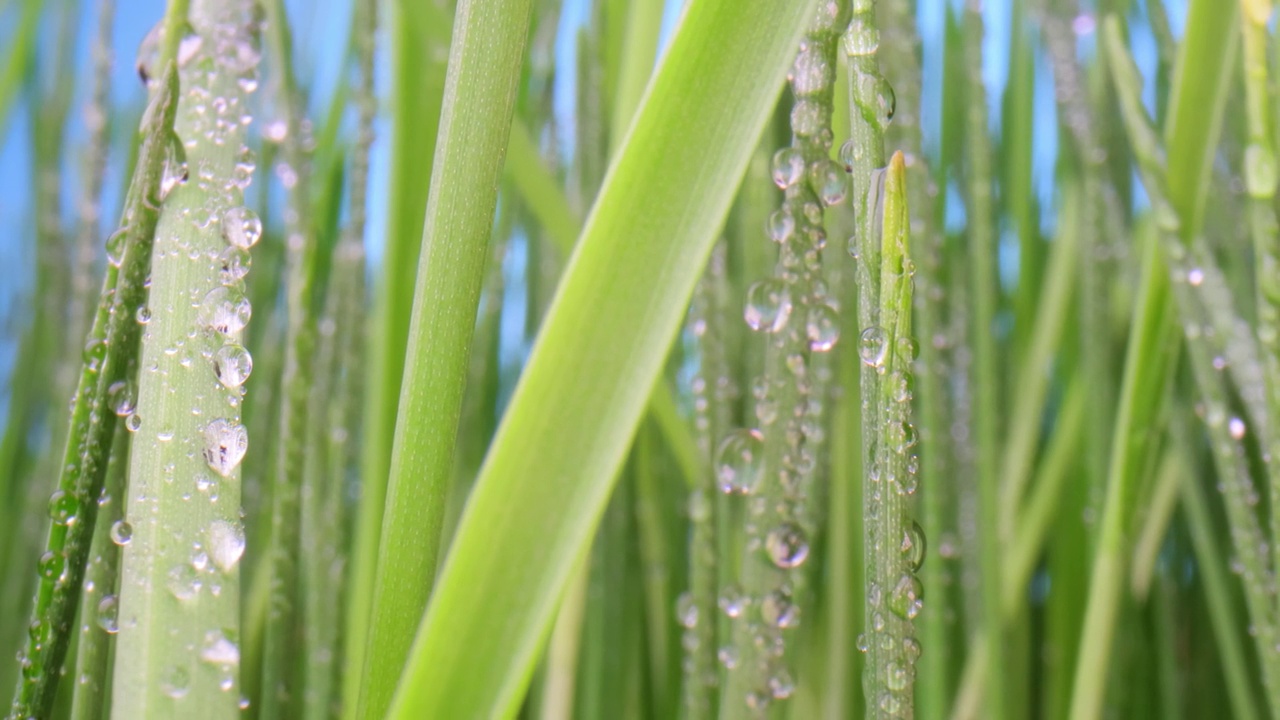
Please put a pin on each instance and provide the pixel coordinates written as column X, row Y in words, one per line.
column 740, row 462
column 225, row 444
column 768, row 306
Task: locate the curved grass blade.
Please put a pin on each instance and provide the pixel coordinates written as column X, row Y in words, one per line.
column 544, row 484
column 110, row 351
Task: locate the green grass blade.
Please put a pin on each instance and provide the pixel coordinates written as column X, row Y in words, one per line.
column 599, row 354
column 419, row 36
column 180, row 586
column 479, row 101
column 110, row 352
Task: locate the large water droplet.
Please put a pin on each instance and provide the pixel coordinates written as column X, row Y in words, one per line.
column 787, row 546
column 913, row 546
column 183, row 582
column 780, row 226
column 241, row 227
column 822, row 328
column 122, row 396
column 232, row 365
column 788, row 167
column 219, row 650
column 121, row 533
column 108, row 612
column 778, row 610
column 51, row 564
column 768, row 306
column 811, row 73
column 907, row 597
column 740, row 462
column 830, row 182
column 861, row 37
column 226, row 544
column 225, row 444
column 176, row 683
column 63, row 507
column 873, row 347
column 233, row 265
column 225, row 310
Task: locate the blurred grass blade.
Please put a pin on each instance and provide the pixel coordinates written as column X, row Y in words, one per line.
column 475, row 125
column 544, row 484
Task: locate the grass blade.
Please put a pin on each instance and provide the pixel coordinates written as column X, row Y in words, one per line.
column 527, row 525
column 484, row 68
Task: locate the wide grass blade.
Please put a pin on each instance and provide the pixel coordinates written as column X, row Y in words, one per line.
column 544, row 484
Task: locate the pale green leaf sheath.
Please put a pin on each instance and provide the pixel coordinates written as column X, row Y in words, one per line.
column 177, row 649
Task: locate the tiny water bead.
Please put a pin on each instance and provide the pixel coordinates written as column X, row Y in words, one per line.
column 133, row 422
column 51, row 565
column 122, row 396
column 787, row 546
column 873, row 346
column 241, row 227
column 768, row 306
column 778, row 610
column 121, row 532
column 731, row 601
column 232, row 365
column 183, row 582
column 225, row 310
column 176, row 683
column 788, row 167
column 739, row 462
column 219, row 650
column 225, row 445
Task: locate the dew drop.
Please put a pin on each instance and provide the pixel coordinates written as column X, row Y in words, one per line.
column 232, row 365
column 226, row 544
column 241, row 227
column 183, row 582
column 51, row 565
column 233, row 265
column 108, row 614
column 822, row 328
column 63, row 507
column 731, row 601
column 133, row 422
column 873, row 347
column 787, row 546
column 788, row 167
column 740, row 462
column 768, row 306
column 225, row 444
column 219, row 650
column 225, row 310
column 121, row 533
column 780, row 226
column 778, row 610
column 861, row 37
column 176, row 683
column 907, row 597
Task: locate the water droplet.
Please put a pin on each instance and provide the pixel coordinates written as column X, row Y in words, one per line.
column 768, row 306
column 121, row 532
column 1260, row 173
column 728, row 656
column 811, row 74
column 780, row 226
column 740, row 462
column 143, row 315
column 907, row 597
column 687, row 611
column 787, row 546
column 226, row 544
column 225, row 444
column 233, row 265
column 897, row 675
column 781, row 686
column 241, row 227
column 699, row 506
column 788, row 167
column 133, row 422
column 225, row 310
column 51, row 565
column 731, row 601
column 189, row 46
column 822, row 328
column 115, row 246
column 219, row 650
column 232, row 365
column 778, row 610
column 63, row 507
column 913, row 546
column 122, row 397
column 108, row 614
column 873, row 347
column 95, row 351
column 808, row 117
column 183, row 582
